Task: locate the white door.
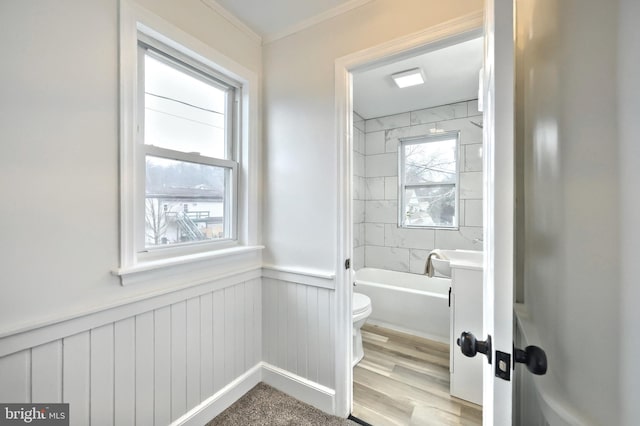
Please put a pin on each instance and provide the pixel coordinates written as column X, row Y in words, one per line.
column 498, row 100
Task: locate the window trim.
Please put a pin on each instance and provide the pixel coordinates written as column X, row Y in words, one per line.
column 173, row 58
column 414, row 140
column 209, row 264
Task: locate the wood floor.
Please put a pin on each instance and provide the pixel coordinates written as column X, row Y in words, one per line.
column 404, row 380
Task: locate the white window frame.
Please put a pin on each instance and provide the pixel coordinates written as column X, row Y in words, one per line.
column 435, row 137
column 138, row 264
column 186, row 64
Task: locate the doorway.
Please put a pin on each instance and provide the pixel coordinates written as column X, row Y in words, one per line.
column 375, row 241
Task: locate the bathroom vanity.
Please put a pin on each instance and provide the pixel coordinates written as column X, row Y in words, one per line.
column 466, row 315
column 465, row 269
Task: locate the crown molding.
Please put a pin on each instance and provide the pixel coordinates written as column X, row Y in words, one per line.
column 314, row 20
column 219, row 9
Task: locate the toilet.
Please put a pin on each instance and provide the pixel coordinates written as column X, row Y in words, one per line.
column 361, row 311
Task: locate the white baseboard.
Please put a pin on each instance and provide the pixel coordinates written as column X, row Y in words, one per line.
column 300, row 388
column 221, row 400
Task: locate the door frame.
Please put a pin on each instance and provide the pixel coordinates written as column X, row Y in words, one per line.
column 444, row 34
column 499, row 205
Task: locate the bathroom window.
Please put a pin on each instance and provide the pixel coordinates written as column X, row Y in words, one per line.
column 428, row 196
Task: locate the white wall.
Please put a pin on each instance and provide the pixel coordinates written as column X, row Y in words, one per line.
column 400, row 249
column 68, row 330
column 629, row 136
column 59, row 162
column 300, row 221
column 195, row 18
column 572, row 196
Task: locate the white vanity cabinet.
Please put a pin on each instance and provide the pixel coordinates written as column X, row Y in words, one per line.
column 466, row 315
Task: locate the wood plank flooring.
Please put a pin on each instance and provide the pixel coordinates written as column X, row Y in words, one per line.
column 403, row 380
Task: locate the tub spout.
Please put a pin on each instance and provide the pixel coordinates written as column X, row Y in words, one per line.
column 428, row 267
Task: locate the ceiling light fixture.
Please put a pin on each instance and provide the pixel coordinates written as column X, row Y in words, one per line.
column 408, row 78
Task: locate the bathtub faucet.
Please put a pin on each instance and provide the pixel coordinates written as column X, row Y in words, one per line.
column 428, row 267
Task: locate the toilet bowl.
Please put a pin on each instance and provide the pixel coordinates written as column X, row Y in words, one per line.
column 361, row 311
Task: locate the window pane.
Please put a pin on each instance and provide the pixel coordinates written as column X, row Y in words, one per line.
column 182, row 112
column 430, row 162
column 430, row 206
column 184, row 202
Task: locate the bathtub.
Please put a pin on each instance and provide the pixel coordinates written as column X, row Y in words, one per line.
column 411, row 303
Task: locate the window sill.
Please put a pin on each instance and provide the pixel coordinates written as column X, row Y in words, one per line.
column 193, row 267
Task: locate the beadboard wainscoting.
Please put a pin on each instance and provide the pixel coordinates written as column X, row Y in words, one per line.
column 181, row 357
column 298, row 338
column 149, row 367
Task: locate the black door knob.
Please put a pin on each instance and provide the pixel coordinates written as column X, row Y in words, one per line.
column 470, row 346
column 534, row 357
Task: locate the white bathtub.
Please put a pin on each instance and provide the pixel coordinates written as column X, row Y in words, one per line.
column 415, row 304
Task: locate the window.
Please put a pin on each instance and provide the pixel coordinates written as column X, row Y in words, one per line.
column 189, row 157
column 429, row 181
column 186, row 139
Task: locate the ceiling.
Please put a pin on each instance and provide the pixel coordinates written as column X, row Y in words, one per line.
column 451, row 72
column 451, row 76
column 272, row 19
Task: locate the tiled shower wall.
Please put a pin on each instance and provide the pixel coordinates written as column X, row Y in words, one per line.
column 358, row 185
column 386, row 245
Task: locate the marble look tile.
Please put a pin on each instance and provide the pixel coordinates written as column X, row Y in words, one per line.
column 391, row 188
column 469, row 133
column 358, row 121
column 471, row 186
column 439, row 113
column 374, row 234
column 395, row 259
column 374, row 142
column 358, row 238
column 459, row 239
column 408, row 238
column 472, row 108
column 381, row 165
column 472, row 157
column 473, row 212
column 393, row 136
column 381, row 211
column 358, row 164
column 358, row 258
column 357, row 187
column 374, row 188
column 418, row 260
column 358, row 211
column 387, row 122
column 380, row 186
column 358, row 141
